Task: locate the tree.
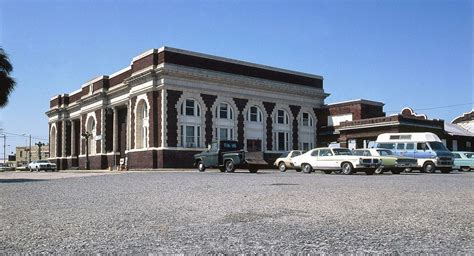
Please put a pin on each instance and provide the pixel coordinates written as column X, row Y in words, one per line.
column 7, row 83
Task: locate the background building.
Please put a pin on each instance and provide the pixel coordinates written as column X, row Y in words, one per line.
column 22, row 154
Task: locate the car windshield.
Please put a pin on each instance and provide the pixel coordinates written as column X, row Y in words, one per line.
column 385, row 152
column 435, row 145
column 284, row 154
column 342, row 152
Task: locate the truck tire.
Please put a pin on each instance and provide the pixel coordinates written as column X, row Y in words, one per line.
column 347, row 168
column 282, row 166
column 229, row 166
column 253, row 170
column 307, row 168
column 429, row 167
column 201, row 167
column 379, row 170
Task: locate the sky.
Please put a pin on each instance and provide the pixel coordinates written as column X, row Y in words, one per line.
column 415, row 53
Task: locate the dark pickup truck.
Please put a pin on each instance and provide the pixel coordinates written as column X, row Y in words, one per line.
column 226, row 156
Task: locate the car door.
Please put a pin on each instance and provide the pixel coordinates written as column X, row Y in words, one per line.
column 212, row 158
column 325, row 159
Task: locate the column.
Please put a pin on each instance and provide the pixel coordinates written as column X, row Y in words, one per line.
column 73, row 145
column 115, row 133
column 63, row 138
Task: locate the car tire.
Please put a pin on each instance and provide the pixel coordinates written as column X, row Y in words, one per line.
column 282, row 167
column 37, row 169
column 465, row 169
column 379, row 170
column 347, row 168
column 429, row 167
column 229, row 166
column 307, row 168
column 201, row 166
column 327, row 171
column 370, row 172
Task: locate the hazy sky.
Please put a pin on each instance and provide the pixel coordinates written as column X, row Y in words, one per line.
column 403, row 53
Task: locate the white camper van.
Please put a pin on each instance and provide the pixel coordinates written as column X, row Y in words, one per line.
column 426, row 147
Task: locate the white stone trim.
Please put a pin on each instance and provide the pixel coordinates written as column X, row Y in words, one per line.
column 201, row 120
column 139, row 98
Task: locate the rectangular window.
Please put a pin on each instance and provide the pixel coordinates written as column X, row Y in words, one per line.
column 189, row 107
column 421, row 146
column 223, row 111
column 400, row 146
column 306, row 119
column 307, row 146
column 281, row 117
column 410, row 146
column 223, row 134
column 253, row 114
column 281, row 141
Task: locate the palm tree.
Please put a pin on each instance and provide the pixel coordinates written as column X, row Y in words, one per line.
column 7, row 83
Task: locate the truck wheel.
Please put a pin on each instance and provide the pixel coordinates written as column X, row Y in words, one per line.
column 229, row 166
column 253, row 170
column 222, row 169
column 446, row 170
column 282, row 167
column 429, row 167
column 201, row 167
column 307, row 168
column 465, row 169
column 370, row 172
column 327, row 171
column 347, row 168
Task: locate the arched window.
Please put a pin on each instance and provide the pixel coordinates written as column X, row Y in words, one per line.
column 224, row 111
column 190, row 124
column 254, row 114
column 190, row 108
column 91, row 127
column 52, row 142
column 306, row 120
column 141, row 125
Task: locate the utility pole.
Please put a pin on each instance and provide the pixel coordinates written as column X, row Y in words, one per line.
column 87, row 136
column 39, row 144
column 29, row 152
column 4, row 148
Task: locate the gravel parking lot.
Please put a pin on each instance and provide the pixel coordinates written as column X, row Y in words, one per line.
column 212, row 212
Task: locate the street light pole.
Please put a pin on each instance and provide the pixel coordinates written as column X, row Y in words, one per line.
column 39, row 144
column 29, row 152
column 87, row 135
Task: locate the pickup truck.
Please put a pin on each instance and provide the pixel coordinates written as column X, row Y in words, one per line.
column 226, row 156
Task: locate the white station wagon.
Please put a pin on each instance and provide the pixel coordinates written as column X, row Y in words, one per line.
column 337, row 160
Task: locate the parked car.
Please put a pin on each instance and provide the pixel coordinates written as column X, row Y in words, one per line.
column 6, row 167
column 226, row 156
column 426, row 147
column 284, row 162
column 390, row 161
column 463, row 161
column 42, row 165
column 336, row 159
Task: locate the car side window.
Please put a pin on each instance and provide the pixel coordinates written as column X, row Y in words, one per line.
column 421, row 146
column 400, row 146
column 456, row 155
column 315, row 153
column 325, row 152
column 295, row 153
column 367, row 153
column 410, row 146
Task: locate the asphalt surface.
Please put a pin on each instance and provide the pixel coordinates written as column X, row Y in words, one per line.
column 212, row 212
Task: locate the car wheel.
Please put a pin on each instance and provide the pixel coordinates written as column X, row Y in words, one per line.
column 201, row 167
column 37, row 169
column 429, row 167
column 229, row 166
column 253, row 170
column 327, row 171
column 307, row 168
column 379, row 170
column 282, row 167
column 370, row 172
column 465, row 169
column 347, row 168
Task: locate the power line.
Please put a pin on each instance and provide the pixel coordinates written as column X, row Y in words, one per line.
column 447, row 106
column 22, row 135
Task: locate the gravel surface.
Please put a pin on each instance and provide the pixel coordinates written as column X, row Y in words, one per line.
column 212, row 212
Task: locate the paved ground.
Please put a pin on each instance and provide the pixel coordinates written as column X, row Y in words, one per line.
column 190, row 212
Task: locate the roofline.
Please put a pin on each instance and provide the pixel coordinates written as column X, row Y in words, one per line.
column 369, row 102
